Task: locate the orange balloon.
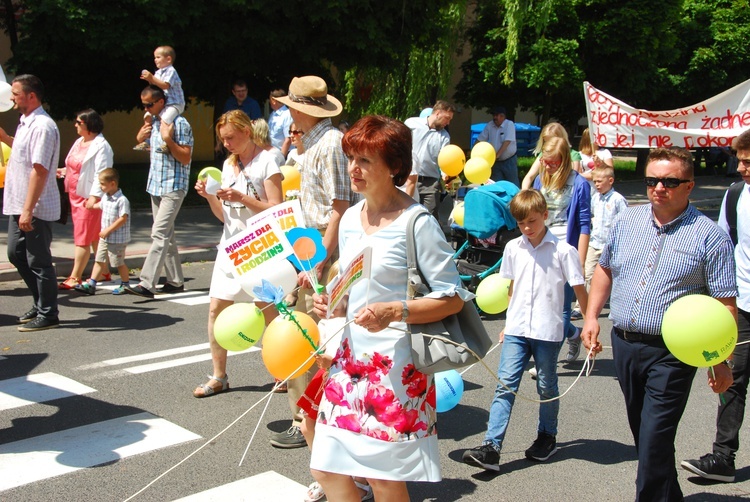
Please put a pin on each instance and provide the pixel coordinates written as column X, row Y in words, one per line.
column 2, row 175
column 285, row 348
column 304, row 248
column 291, row 179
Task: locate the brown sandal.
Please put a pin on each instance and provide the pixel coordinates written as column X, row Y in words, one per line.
column 205, row 390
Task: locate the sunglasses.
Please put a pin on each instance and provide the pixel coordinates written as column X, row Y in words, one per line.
column 148, row 106
column 295, row 132
column 667, row 182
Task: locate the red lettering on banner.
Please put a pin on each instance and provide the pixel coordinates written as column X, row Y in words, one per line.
column 621, row 141
column 728, row 121
column 601, row 140
column 706, row 141
column 659, row 141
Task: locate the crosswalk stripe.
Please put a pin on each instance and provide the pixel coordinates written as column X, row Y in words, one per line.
column 145, row 357
column 189, row 298
column 145, row 368
column 62, row 452
column 196, row 300
column 38, row 388
column 268, row 485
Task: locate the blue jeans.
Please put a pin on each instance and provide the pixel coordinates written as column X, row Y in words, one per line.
column 517, row 351
column 569, row 330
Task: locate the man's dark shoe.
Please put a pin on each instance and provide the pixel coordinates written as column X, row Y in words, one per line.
column 139, row 290
column 168, row 288
column 484, row 457
column 711, row 466
column 543, row 448
column 28, row 316
column 290, row 438
column 39, row 323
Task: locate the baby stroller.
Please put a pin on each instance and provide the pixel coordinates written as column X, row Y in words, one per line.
column 487, row 227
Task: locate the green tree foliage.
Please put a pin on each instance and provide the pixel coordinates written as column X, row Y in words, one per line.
column 91, row 52
column 413, row 79
column 656, row 55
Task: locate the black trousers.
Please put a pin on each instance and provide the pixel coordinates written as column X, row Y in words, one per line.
column 30, row 253
column 656, row 387
column 730, row 415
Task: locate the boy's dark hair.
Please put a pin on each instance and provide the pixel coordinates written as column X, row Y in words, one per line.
column 742, row 142
column 109, row 174
column 526, row 202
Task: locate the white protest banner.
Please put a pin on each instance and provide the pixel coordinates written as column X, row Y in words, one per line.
column 287, row 214
column 358, row 269
column 710, row 123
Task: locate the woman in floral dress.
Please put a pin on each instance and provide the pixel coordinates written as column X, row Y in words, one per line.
column 377, row 416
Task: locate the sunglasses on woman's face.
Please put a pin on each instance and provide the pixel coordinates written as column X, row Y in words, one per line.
column 295, row 132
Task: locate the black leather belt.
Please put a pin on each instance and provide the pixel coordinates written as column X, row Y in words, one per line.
column 426, row 178
column 633, row 336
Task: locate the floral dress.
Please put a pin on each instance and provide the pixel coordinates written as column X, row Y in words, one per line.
column 377, row 416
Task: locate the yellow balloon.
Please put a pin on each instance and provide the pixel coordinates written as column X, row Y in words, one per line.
column 458, row 214
column 477, row 170
column 492, row 294
column 285, row 348
column 484, row 150
column 239, row 326
column 699, row 330
column 4, row 163
column 291, row 179
column 451, row 160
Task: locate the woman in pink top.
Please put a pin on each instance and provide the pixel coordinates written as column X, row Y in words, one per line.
column 89, row 155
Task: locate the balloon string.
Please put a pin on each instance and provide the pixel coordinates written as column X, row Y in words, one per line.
column 267, row 396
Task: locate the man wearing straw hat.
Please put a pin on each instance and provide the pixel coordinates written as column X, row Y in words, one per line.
column 325, row 194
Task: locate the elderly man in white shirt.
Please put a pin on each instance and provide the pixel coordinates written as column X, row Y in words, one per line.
column 501, row 134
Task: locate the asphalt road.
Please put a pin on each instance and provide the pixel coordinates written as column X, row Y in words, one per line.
column 596, row 461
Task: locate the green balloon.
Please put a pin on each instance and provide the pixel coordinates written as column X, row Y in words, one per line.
column 239, row 326
column 214, row 172
column 492, row 294
column 699, row 330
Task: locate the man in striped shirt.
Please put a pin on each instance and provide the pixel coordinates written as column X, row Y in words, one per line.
column 655, row 254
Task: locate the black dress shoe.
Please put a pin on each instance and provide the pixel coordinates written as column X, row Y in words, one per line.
column 39, row 323
column 168, row 288
column 139, row 290
column 28, row 316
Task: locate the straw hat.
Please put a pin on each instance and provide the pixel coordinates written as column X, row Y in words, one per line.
column 309, row 95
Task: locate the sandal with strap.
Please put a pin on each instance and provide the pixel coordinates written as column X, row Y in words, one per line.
column 314, row 492
column 367, row 489
column 205, row 390
column 65, row 284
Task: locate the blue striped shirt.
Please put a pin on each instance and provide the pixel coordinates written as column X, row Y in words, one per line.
column 653, row 266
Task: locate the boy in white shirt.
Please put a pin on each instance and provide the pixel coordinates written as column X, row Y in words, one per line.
column 538, row 265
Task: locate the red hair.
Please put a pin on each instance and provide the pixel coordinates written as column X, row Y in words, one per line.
column 386, row 137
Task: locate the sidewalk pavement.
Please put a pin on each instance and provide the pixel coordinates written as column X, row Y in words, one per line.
column 198, row 231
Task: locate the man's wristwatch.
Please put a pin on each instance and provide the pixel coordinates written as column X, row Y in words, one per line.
column 405, row 311
column 729, row 363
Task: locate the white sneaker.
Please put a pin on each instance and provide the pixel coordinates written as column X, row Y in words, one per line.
column 532, row 372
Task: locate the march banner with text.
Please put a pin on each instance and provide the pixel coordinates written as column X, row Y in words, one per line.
column 710, row 123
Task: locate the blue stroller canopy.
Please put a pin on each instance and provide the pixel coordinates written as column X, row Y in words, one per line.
column 486, row 209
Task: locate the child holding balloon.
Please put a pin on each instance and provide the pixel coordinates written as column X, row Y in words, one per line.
column 539, row 265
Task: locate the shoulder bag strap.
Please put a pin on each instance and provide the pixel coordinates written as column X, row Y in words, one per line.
column 730, row 209
column 416, row 285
